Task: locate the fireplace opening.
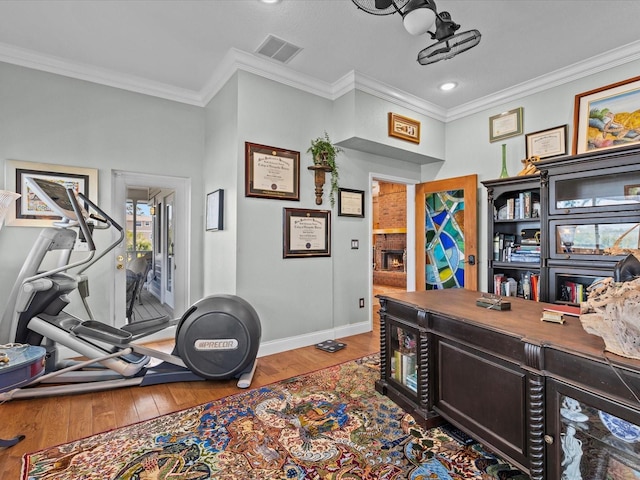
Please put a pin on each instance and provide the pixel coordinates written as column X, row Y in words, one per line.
column 393, row 260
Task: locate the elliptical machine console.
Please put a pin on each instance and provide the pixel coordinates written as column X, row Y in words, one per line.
column 216, row 338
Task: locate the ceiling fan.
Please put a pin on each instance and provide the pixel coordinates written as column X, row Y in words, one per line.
column 418, row 17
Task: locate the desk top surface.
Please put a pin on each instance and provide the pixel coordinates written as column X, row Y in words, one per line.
column 522, row 321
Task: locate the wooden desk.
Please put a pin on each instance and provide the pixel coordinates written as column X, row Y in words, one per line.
column 504, row 376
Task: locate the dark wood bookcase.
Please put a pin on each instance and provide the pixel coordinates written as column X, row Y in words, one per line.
column 589, row 210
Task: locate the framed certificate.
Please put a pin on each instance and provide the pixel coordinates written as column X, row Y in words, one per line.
column 306, row 233
column 350, row 203
column 505, row 125
column 271, row 172
column 547, row 143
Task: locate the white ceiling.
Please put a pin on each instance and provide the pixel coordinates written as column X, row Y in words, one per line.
column 183, row 50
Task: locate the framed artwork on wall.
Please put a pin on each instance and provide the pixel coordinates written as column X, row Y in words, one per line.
column 404, row 127
column 505, row 124
column 271, row 172
column 30, row 211
column 215, row 210
column 350, row 203
column 607, row 117
column 306, row 233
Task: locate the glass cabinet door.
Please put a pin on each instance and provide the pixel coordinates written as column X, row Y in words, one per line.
column 590, row 437
column 595, row 444
column 403, row 358
column 593, row 238
column 594, row 191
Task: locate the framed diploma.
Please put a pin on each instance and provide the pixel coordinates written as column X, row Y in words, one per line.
column 547, row 143
column 505, row 125
column 306, row 233
column 350, row 203
column 271, row 172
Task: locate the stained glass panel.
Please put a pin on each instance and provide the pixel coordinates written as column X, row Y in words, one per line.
column 444, row 240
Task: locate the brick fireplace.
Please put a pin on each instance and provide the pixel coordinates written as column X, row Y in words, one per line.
column 389, row 235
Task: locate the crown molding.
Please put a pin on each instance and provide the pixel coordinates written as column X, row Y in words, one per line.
column 612, row 58
column 81, row 71
column 236, row 60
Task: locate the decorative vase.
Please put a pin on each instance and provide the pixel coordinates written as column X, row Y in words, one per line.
column 504, row 173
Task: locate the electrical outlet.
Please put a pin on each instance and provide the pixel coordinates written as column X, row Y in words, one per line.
column 362, row 303
column 355, row 244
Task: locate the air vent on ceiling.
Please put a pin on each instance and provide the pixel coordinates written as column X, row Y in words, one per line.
column 278, row 49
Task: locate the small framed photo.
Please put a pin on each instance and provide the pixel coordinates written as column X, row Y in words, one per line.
column 404, row 128
column 271, row 172
column 606, row 117
column 505, row 125
column 350, row 203
column 215, row 210
column 547, row 143
column 306, row 233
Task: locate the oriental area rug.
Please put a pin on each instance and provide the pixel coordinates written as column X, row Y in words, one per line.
column 329, row 424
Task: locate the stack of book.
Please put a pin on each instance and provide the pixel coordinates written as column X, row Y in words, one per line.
column 525, row 253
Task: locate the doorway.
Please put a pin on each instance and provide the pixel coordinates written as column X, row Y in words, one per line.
column 392, row 238
column 160, row 237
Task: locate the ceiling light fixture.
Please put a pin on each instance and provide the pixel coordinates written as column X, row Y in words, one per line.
column 448, row 86
column 418, row 17
column 269, row 1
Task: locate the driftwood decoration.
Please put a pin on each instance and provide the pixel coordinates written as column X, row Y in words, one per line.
column 615, row 249
column 612, row 311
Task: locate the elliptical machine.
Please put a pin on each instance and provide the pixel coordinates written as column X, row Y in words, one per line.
column 216, row 338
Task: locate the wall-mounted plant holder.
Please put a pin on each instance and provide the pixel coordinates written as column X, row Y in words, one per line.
column 320, row 178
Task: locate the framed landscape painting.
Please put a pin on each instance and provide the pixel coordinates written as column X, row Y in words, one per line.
column 607, row 117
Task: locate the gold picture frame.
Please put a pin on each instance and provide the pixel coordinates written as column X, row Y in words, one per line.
column 506, row 124
column 30, row 211
column 404, row 127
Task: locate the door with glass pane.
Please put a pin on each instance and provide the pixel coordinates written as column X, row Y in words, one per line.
column 169, row 249
column 447, row 234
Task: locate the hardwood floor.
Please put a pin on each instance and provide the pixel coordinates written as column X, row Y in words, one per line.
column 51, row 421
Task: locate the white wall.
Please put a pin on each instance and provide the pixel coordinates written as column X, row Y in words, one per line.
column 219, row 257
column 53, row 119
column 296, row 298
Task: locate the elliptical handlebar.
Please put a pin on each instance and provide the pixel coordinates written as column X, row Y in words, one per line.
column 110, row 222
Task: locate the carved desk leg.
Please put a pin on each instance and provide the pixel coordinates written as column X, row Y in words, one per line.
column 381, row 385
column 535, row 398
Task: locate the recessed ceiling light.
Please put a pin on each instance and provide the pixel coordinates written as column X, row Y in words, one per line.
column 269, row 1
column 448, row 86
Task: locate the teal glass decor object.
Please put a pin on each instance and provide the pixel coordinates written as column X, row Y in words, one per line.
column 504, row 173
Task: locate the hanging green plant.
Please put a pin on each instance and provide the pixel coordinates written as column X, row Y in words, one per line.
column 324, row 153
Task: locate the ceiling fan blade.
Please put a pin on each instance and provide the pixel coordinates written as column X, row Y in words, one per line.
column 382, row 4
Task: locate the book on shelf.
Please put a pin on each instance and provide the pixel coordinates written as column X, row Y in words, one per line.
column 573, row 292
column 535, row 287
column 403, row 365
